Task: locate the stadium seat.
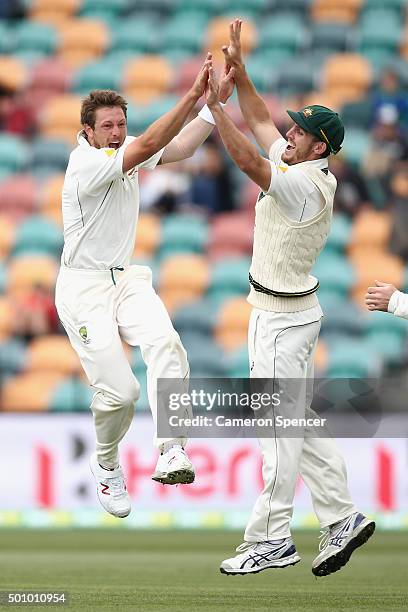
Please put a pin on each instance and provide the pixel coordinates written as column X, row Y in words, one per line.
column 7, row 229
column 335, row 273
column 231, row 328
column 296, row 76
column 345, row 11
column 206, row 7
column 340, row 234
column 38, row 235
column 186, row 73
column 229, row 278
column 237, row 363
column 14, row 154
column 3, row 277
column 356, row 145
column 264, row 73
column 182, row 234
column 351, row 359
column 34, row 36
column 82, row 40
column 372, row 264
column 140, row 116
column 50, row 75
column 49, row 156
column 135, row 35
column 13, row 73
column 60, row 117
column 370, row 229
column 357, row 114
column 50, row 198
column 380, row 31
column 147, row 77
column 197, row 317
column 49, row 11
column 182, row 279
column 245, row 8
column 101, row 74
column 6, row 38
column 18, row 195
column 231, row 234
column 147, row 236
column 183, row 31
column 13, row 356
column 107, row 9
column 342, row 320
column 278, row 32
column 52, row 353
column 348, row 75
column 71, row 395
column 298, row 7
column 331, row 36
column 29, row 392
column 27, row 271
column 204, row 356
column 217, row 35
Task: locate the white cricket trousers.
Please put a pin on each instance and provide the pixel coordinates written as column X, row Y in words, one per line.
column 99, row 309
column 282, row 347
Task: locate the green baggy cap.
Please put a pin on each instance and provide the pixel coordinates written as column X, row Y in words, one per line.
column 323, row 123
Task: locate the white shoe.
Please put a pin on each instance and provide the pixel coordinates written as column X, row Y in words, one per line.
column 258, row 556
column 174, row 467
column 111, row 488
column 339, row 541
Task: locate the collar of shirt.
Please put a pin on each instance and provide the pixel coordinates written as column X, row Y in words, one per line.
column 321, row 164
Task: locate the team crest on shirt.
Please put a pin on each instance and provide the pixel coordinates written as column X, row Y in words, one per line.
column 83, row 332
column 109, row 152
column 308, row 112
column 283, row 169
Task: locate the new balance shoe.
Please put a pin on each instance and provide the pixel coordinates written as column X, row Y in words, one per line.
column 339, row 541
column 174, row 467
column 258, row 556
column 111, row 488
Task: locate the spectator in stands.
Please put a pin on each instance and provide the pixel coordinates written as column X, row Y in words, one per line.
column 165, row 190
column 388, row 146
column 390, row 93
column 16, row 116
column 11, row 9
column 211, row 186
column 352, row 193
column 35, row 314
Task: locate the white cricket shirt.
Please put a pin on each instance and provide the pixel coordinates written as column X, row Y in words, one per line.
column 297, row 196
column 100, row 206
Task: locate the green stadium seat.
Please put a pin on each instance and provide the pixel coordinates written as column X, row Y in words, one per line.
column 286, row 32
column 184, row 31
column 135, row 35
column 356, row 144
column 155, row 7
column 102, row 74
column 377, row 322
column 140, row 117
column 35, row 37
column 340, row 232
column 207, row 8
column 102, row 9
column 229, row 277
column 335, row 273
column 380, row 33
column 197, row 317
column 357, row 114
column 263, row 70
column 139, row 370
column 49, row 156
column 298, row 7
column 72, row 395
column 13, row 356
column 238, row 364
column 351, row 359
column 38, row 235
column 204, row 356
column 182, row 234
column 245, row 7
column 345, row 320
column 297, row 76
column 396, row 6
column 6, row 38
column 331, row 36
column 387, row 345
column 14, row 155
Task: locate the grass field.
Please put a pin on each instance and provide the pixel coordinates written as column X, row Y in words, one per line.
column 177, row 571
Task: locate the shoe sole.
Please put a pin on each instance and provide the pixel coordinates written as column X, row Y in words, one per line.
column 339, row 560
column 233, row 572
column 176, row 477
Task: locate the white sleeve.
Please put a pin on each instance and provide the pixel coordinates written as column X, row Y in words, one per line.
column 290, row 187
column 398, row 304
column 151, row 163
column 277, row 149
column 98, row 167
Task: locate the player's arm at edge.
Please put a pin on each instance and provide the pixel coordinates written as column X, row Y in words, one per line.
column 241, row 150
column 164, row 129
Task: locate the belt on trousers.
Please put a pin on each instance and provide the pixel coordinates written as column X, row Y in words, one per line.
column 261, row 289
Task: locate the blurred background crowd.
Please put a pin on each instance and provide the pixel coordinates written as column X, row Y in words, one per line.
column 196, row 221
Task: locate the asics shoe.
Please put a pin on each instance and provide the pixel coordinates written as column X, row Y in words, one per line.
column 111, row 488
column 258, row 556
column 174, row 467
column 339, row 541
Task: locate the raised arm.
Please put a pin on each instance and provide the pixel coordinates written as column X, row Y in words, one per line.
column 193, row 135
column 162, row 131
column 241, row 150
column 253, row 108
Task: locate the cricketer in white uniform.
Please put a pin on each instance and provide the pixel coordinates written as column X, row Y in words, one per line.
column 387, row 298
column 292, row 222
column 101, row 299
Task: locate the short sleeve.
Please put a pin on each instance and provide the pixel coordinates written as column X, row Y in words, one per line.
column 151, row 163
column 98, row 167
column 289, row 186
column 277, row 149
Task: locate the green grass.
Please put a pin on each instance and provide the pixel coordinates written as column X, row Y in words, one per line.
column 177, row 571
